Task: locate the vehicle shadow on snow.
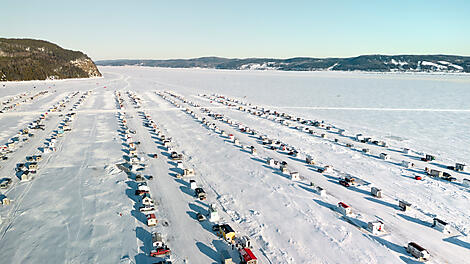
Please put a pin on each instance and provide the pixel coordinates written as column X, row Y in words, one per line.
column 208, row 251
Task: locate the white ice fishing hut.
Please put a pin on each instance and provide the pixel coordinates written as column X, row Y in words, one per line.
column 295, row 176
column 344, row 208
column 407, row 164
column 376, row 192
column 192, row 184
column 384, row 156
column 321, row 191
column 466, row 182
column 213, row 213
column 376, row 227
column 440, row 225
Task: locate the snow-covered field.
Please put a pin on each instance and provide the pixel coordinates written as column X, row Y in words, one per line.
column 80, row 207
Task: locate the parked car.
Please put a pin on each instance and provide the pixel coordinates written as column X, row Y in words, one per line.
column 344, row 183
column 201, row 217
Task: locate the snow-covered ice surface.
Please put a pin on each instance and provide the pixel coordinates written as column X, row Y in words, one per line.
column 80, row 208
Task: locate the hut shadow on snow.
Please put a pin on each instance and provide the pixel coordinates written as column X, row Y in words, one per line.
column 208, row 251
column 390, row 245
column 141, row 258
column 324, row 204
column 182, row 182
column 139, row 216
column 307, row 188
column 258, row 159
column 454, row 240
column 144, row 236
column 187, row 190
column 415, row 220
column 410, row 260
column 393, row 206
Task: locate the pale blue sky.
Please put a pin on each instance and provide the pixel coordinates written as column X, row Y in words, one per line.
column 182, row 29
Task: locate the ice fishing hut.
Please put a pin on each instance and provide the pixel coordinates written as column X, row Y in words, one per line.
column 247, row 256
column 376, row 192
column 359, row 137
column 151, row 220
column 157, row 240
column 25, row 176
column 213, row 213
column 344, row 208
column 428, row 158
column 179, row 164
column 440, row 225
column 417, row 251
column 253, row 150
column 236, row 142
column 32, row 166
column 227, row 232
column 376, row 227
column 243, row 242
column 460, row 167
column 309, row 160
column 283, row 168
column 192, row 184
column 466, row 182
column 147, row 200
column 200, row 193
column 321, row 191
column 295, row 176
column 270, row 162
column 404, row 205
column 4, row 200
column 407, row 164
column 384, row 156
column 188, row 172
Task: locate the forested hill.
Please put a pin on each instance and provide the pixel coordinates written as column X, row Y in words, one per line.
column 30, row 59
column 373, row 63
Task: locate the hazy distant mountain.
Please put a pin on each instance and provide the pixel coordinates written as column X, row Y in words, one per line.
column 374, row 63
column 30, row 59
